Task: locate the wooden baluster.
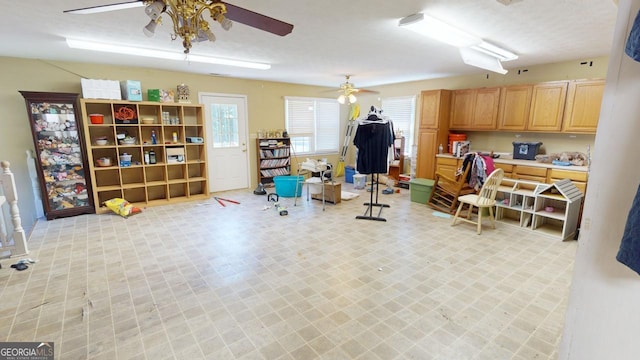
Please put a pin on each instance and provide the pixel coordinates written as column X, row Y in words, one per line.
column 9, row 189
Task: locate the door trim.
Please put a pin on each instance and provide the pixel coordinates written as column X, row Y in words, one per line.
column 201, row 94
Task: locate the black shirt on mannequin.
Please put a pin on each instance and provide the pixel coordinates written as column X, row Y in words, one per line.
column 373, row 139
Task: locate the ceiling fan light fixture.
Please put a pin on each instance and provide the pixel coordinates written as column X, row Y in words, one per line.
column 160, row 54
column 150, row 29
column 347, row 99
column 188, row 21
column 155, row 9
column 204, row 35
column 187, row 17
column 438, row 30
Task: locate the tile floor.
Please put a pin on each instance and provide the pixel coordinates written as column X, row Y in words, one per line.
column 201, row 281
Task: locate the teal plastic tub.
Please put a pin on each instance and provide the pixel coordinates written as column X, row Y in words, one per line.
column 286, row 185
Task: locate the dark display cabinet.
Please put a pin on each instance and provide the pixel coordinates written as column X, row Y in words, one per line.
column 62, row 167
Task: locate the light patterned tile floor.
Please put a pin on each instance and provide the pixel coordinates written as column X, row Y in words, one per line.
column 200, row 281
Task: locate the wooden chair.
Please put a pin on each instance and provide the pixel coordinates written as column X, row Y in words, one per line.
column 446, row 190
column 485, row 199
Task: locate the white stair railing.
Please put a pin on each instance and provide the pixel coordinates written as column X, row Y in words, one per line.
column 13, row 239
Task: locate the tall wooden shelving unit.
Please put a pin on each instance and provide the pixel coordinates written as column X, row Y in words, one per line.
column 183, row 178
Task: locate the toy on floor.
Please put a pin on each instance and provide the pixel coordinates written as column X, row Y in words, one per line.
column 275, row 198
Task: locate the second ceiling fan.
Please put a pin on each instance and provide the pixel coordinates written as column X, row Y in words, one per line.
column 348, row 90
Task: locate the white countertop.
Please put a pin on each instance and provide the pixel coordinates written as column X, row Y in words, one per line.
column 505, row 160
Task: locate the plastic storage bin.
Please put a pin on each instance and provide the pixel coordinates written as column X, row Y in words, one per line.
column 349, row 171
column 286, row 185
column 420, row 190
column 359, row 181
column 315, row 185
column 526, row 150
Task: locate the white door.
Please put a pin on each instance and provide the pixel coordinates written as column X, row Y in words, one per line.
column 227, row 155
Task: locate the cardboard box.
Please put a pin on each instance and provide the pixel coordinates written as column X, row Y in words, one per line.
column 153, row 95
column 131, row 90
column 175, row 155
column 460, row 148
column 332, row 193
column 166, row 96
column 100, row 89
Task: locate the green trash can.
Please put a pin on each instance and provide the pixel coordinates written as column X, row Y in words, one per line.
column 420, row 190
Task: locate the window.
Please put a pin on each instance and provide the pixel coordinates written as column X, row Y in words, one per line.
column 401, row 110
column 313, row 124
column 224, row 120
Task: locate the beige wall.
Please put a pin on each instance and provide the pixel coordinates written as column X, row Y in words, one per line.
column 265, row 103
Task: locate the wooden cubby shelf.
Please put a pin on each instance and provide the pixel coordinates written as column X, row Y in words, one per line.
column 180, row 170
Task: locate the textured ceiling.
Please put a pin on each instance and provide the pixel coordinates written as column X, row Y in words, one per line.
column 331, row 38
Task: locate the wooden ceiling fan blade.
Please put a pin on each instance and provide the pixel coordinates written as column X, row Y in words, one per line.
column 105, row 8
column 258, row 21
column 366, row 91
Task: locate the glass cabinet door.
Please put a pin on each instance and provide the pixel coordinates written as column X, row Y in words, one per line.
column 62, row 165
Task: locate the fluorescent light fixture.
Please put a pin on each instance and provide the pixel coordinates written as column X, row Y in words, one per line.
column 104, row 8
column 161, row 54
column 497, row 52
column 481, row 60
column 438, row 30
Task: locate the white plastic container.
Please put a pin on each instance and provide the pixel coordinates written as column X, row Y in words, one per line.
column 315, row 185
column 359, row 181
column 125, row 160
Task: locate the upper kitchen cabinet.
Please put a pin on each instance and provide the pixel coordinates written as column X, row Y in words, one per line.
column 582, row 110
column 485, row 114
column 462, row 105
column 515, row 105
column 475, row 109
column 435, row 107
column 547, row 106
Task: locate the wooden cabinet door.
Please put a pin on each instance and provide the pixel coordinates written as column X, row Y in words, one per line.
column 582, row 111
column 547, row 106
column 515, row 105
column 462, row 108
column 447, row 166
column 485, row 115
column 435, row 107
column 425, row 165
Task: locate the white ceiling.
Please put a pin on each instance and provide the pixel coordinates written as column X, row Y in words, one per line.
column 330, row 38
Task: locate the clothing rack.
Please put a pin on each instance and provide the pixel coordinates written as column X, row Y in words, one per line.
column 371, row 204
column 373, row 143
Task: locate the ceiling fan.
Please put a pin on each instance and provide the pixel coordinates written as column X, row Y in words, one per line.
column 187, row 17
column 347, row 91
